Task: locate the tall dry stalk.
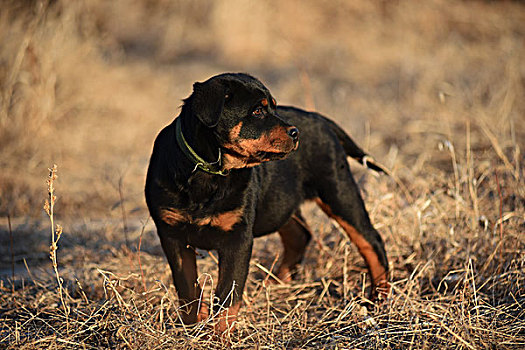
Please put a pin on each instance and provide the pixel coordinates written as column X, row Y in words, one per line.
column 56, row 231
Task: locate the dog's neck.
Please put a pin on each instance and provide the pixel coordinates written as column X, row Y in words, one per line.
column 199, row 139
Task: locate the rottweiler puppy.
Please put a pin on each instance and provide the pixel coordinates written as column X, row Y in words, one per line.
column 234, row 166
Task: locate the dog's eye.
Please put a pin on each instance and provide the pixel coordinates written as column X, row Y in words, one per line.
column 258, row 112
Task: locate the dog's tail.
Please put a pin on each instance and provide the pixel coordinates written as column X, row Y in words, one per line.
column 353, row 150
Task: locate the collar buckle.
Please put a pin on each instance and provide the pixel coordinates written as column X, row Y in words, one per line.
column 199, row 162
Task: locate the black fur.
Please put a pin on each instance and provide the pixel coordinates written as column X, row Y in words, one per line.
column 269, row 193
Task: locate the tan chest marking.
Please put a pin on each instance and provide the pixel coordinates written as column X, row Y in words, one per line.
column 224, row 221
column 173, row 216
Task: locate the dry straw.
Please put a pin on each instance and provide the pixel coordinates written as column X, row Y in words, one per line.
column 56, row 232
column 81, row 87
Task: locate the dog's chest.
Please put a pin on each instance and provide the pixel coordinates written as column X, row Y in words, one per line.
column 201, row 204
column 224, row 220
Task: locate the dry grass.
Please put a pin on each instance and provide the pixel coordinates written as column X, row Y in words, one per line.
column 434, row 90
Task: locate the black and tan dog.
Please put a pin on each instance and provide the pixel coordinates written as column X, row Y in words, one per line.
column 209, row 186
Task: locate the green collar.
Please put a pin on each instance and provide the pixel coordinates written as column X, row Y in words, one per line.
column 211, row 168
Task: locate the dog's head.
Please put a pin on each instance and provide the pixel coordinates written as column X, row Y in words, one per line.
column 242, row 114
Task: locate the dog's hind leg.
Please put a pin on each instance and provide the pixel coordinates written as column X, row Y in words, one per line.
column 295, row 235
column 340, row 199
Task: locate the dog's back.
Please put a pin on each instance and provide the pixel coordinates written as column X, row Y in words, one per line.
column 323, row 152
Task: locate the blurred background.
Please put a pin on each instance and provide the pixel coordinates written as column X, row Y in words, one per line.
column 88, row 84
column 434, row 90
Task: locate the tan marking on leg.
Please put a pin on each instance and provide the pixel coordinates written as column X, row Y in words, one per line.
column 284, row 274
column 227, row 319
column 294, row 236
column 204, row 312
column 379, row 274
column 173, row 216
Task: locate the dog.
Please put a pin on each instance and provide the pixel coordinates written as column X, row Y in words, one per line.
column 229, row 168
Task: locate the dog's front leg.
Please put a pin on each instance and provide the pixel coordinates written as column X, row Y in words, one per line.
column 184, row 271
column 234, row 260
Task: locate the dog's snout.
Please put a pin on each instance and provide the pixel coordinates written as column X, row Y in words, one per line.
column 293, row 132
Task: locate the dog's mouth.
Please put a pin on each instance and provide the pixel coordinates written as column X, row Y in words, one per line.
column 233, row 159
column 268, row 156
column 273, row 145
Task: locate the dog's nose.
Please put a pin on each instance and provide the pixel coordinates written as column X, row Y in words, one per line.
column 293, row 132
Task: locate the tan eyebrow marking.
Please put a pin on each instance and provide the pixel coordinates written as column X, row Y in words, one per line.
column 264, row 102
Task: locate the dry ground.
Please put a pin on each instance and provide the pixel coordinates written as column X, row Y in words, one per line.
column 433, row 89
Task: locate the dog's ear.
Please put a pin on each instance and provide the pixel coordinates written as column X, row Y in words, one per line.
column 208, row 101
